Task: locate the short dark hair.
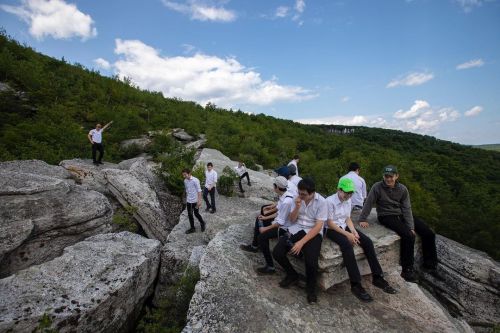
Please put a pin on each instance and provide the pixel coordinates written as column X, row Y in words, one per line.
column 210, row 164
column 307, row 184
column 186, row 170
column 296, row 157
column 354, row 166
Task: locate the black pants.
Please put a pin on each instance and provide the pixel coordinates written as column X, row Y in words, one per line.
column 348, row 254
column 190, row 208
column 398, row 225
column 311, row 252
column 263, row 241
column 241, row 177
column 256, row 231
column 212, row 197
column 95, row 148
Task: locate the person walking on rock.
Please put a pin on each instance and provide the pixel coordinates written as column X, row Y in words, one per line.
column 210, row 183
column 242, row 172
column 193, row 199
column 95, row 138
column 341, row 231
column 394, row 212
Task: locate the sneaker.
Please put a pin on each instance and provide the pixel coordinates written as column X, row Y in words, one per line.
column 381, row 283
column 207, row 209
column 190, row 230
column 249, row 248
column 202, row 227
column 289, row 280
column 361, row 293
column 409, row 274
column 266, row 270
column 312, row 298
column 212, row 211
column 99, row 162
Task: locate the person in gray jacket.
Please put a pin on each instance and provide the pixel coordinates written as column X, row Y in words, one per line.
column 394, row 212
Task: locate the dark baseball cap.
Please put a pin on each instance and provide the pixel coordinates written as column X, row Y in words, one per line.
column 390, row 170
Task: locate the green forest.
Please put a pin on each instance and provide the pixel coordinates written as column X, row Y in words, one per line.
column 47, row 107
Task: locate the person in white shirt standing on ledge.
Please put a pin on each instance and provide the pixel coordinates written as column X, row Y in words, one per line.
column 193, row 199
column 359, row 196
column 95, row 138
column 242, row 172
column 210, row 182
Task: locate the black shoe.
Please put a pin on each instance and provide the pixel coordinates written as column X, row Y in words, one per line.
column 249, row 248
column 249, row 184
column 289, row 280
column 433, row 272
column 95, row 163
column 361, row 293
column 99, row 162
column 212, row 211
column 202, row 227
column 266, row 270
column 409, row 274
column 312, row 298
column 207, row 209
column 381, row 283
column 190, row 230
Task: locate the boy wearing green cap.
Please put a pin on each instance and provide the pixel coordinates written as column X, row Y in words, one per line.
column 340, row 230
column 394, row 212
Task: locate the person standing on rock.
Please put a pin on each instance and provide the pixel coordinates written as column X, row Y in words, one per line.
column 193, row 199
column 295, row 162
column 242, row 172
column 273, row 226
column 95, row 138
column 341, row 231
column 307, row 219
column 210, row 182
column 394, row 212
column 359, row 196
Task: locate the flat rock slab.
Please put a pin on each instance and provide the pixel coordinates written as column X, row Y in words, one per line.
column 37, row 167
column 232, row 297
column 87, row 174
column 97, row 285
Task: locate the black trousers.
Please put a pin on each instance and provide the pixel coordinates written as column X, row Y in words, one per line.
column 256, row 231
column 190, row 208
column 241, row 177
column 212, row 197
column 347, row 250
column 97, row 147
column 311, row 252
column 398, row 225
column 263, row 240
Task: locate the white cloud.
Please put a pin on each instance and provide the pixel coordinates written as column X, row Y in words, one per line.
column 54, row 18
column 468, row 5
column 282, row 11
column 418, row 108
column 474, row 111
column 300, row 5
column 358, row 120
column 103, row 63
column 412, row 79
column 471, row 64
column 345, row 99
column 202, row 78
column 298, row 9
column 202, row 10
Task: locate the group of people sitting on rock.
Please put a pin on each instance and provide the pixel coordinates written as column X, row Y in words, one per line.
column 301, row 218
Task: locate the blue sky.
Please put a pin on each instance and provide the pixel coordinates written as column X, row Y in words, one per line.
column 424, row 66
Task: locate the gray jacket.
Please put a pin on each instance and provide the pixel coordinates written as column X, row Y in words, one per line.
column 389, row 201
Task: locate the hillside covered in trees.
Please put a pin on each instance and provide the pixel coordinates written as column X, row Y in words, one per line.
column 47, row 107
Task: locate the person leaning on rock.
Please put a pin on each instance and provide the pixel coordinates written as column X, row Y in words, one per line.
column 394, row 212
column 340, row 230
column 193, row 199
column 307, row 220
column 95, row 138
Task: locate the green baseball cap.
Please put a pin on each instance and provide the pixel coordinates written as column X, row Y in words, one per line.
column 346, row 185
column 390, row 170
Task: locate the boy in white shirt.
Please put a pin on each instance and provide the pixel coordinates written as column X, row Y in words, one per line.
column 95, row 138
column 210, row 183
column 193, row 199
column 242, row 172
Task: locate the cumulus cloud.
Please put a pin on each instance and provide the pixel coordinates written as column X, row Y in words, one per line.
column 295, row 13
column 471, row 64
column 412, row 79
column 202, row 78
column 474, row 111
column 282, row 11
column 202, row 10
column 468, row 5
column 345, row 99
column 54, row 18
column 418, row 108
column 103, row 63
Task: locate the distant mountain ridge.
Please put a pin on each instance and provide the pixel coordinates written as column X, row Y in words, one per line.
column 493, row 146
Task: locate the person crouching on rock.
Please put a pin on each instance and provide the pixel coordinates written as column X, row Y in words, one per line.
column 341, row 231
column 193, row 199
column 307, row 218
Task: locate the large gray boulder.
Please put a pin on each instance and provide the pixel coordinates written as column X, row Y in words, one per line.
column 140, row 143
column 181, row 135
column 37, row 167
column 261, row 183
column 41, row 215
column 97, row 285
column 468, row 283
column 88, row 175
column 232, row 297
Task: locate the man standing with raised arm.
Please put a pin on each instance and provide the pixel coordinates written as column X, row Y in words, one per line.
column 394, row 212
column 95, row 138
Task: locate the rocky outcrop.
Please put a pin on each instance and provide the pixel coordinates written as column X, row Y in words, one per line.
column 261, row 183
column 97, row 285
column 468, row 283
column 181, row 134
column 232, row 297
column 37, row 167
column 88, row 175
column 41, row 215
column 139, row 143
